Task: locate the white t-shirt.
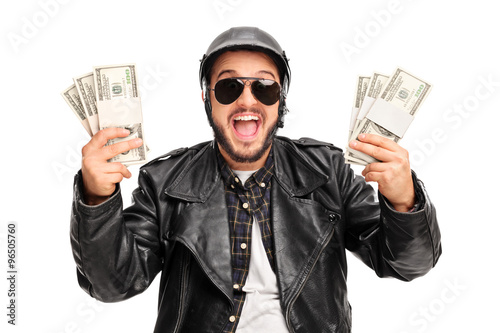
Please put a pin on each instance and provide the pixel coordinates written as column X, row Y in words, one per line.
column 261, row 311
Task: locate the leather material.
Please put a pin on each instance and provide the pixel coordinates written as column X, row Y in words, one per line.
column 177, row 225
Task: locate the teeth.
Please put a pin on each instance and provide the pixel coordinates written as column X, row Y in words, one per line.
column 246, row 118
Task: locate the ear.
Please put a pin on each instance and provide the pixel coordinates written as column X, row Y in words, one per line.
column 202, row 96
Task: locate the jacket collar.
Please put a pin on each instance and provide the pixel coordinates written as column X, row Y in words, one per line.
column 199, row 178
column 201, row 175
column 294, row 173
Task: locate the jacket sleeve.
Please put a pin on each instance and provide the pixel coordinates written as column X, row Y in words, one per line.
column 393, row 244
column 117, row 252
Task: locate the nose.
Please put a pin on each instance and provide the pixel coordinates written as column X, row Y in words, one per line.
column 246, row 98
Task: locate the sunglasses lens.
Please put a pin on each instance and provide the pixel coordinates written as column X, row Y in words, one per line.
column 228, row 90
column 266, row 91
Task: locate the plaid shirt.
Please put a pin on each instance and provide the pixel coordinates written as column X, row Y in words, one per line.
column 245, row 201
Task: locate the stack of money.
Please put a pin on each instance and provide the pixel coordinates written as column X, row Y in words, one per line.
column 384, row 105
column 109, row 97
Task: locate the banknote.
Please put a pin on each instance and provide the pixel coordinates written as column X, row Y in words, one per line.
column 85, row 86
column 377, row 82
column 72, row 97
column 401, row 96
column 109, row 97
column 119, row 105
column 373, row 90
column 362, row 84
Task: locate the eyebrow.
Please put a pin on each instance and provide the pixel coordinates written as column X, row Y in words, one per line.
column 232, row 71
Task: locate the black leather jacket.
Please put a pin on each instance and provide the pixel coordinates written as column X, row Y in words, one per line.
column 177, row 224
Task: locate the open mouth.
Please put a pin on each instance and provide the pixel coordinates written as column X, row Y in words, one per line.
column 246, row 126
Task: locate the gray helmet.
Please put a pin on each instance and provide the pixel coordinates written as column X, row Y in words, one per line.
column 245, row 38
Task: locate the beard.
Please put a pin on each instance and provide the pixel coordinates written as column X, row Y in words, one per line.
column 243, row 156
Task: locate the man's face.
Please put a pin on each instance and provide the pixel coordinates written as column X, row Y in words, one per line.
column 244, row 128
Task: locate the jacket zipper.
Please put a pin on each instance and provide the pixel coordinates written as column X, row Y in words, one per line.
column 182, row 292
column 198, row 260
column 287, row 318
column 213, row 282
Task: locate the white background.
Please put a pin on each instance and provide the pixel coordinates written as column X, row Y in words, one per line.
column 452, row 44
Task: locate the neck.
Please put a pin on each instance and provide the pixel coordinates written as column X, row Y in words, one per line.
column 244, row 166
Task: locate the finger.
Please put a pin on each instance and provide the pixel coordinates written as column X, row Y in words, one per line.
column 374, row 176
column 374, row 167
column 120, row 147
column 106, row 179
column 102, row 137
column 114, row 178
column 379, row 141
column 377, row 152
column 117, row 167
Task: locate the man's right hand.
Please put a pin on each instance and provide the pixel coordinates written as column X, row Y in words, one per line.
column 100, row 176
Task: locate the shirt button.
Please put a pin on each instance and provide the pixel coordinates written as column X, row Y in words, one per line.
column 243, row 246
column 262, row 184
column 236, row 179
column 232, row 319
column 236, row 286
column 245, row 205
column 232, row 186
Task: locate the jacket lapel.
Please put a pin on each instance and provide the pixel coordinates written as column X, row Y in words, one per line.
column 296, row 175
column 203, row 226
column 301, row 227
column 301, row 230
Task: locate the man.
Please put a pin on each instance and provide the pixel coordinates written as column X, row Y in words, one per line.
column 250, row 230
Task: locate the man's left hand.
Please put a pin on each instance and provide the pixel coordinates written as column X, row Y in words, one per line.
column 393, row 173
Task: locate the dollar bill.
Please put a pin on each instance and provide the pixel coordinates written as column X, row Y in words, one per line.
column 374, row 90
column 376, row 85
column 118, row 102
column 361, row 89
column 362, row 84
column 85, row 86
column 72, row 97
column 402, row 90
